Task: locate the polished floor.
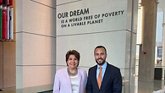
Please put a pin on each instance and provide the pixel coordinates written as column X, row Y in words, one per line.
column 38, row 89
column 157, row 86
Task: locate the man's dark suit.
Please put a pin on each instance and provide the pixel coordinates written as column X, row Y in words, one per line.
column 111, row 83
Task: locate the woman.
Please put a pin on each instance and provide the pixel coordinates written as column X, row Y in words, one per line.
column 71, row 79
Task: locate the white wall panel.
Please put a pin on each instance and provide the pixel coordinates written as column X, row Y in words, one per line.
column 38, row 50
column 35, row 75
column 38, row 18
column 50, row 3
column 19, row 15
column 19, row 77
column 116, row 16
column 19, row 48
column 35, row 43
column 61, row 2
column 113, row 31
column 115, row 42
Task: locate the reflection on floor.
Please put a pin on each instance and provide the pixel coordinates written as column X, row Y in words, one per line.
column 38, row 89
column 151, row 87
column 157, row 86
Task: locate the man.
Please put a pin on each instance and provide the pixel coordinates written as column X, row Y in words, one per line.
column 103, row 77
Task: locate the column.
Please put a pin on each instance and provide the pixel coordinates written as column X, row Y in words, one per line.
column 147, row 55
column 163, row 49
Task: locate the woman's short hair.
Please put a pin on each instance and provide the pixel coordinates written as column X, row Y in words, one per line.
column 72, row 52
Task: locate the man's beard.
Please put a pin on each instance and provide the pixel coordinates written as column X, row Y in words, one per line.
column 101, row 62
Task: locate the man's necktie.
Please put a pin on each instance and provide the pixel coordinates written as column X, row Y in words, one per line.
column 99, row 79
